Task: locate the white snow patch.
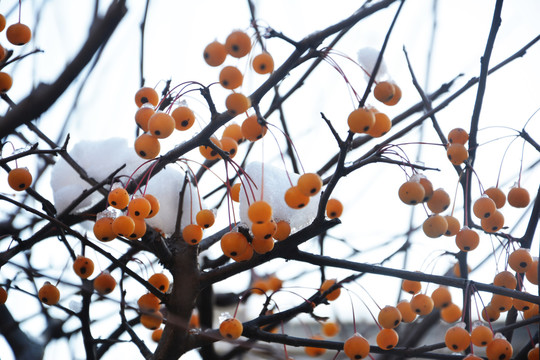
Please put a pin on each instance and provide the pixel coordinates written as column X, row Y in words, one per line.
column 166, row 186
column 276, row 183
column 367, row 58
column 99, row 159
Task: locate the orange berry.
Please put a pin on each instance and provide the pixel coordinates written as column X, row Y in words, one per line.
column 411, row 192
column 252, row 130
column 458, row 136
column 192, row 234
column 451, row 313
column 521, row 305
column 123, row 226
column 407, row 313
column 484, row 207
column 435, row 226
column 261, row 245
column 327, row 284
column 457, row 154
column 467, row 239
column 534, row 353
column 295, row 199
column 146, row 95
column 397, row 96
column 2, row 22
column 532, row 273
column 505, row 279
column 160, row 281
column 260, row 212
column 231, row 328
column 315, row 351
column 235, row 192
column 389, row 317
column 154, row 203
column 361, row 120
column 453, row 225
column 246, row 255
column 139, row 208
column 496, row 195
column 3, row 296
column 499, row 349
column 387, row 339
column 259, row 287
column 161, row 125
column 411, row 286
column 520, row 260
column 274, row 283
column 456, row 270
column 118, row 198
column 457, row 338
column 3, row 53
column 207, row 152
column 104, row 283
column 103, row 229
column 148, row 303
column 5, row 82
column 205, row 218
column 382, row 125
column 152, row 321
column 441, row 297
column 156, row 335
column 334, row 208
column 283, row 230
column 83, row 267
column 533, row 311
column 439, row 201
column 481, row 335
column 230, row 146
column 233, row 131
column 501, row 302
column 215, row 53
column 147, row 146
column 356, row 347
column 230, row 77
column 263, row 63
column 518, row 197
column 490, row 313
column 142, row 115
column 309, row 184
column 493, row 223
column 139, row 230
column 428, row 188
column 184, row 118
column 238, row 44
column 237, row 103
column 330, row 328
column 233, row 244
column 422, row 304
column 19, row 179
column 49, row 294
column 384, row 91
column 265, row 230
column 194, row 321
column 18, row 34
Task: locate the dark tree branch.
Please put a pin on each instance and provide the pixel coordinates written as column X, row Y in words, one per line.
column 45, row 95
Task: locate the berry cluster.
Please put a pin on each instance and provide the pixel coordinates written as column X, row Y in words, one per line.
column 131, row 223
